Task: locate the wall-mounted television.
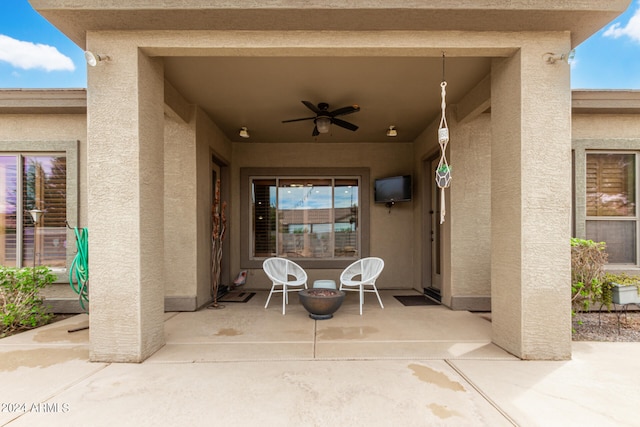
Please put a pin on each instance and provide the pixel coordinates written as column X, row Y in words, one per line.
column 392, row 189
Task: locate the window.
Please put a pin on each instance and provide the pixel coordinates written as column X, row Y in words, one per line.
column 611, row 194
column 33, row 181
column 305, row 218
column 317, row 220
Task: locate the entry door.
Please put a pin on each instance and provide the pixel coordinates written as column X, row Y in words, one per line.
column 432, row 260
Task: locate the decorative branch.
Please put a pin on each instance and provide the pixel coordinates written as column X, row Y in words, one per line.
column 219, row 220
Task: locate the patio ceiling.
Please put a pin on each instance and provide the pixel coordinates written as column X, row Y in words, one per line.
column 261, row 92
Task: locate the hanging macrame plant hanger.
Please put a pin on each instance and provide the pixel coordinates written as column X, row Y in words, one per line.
column 443, row 171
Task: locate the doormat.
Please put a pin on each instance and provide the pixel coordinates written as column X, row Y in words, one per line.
column 237, row 296
column 411, row 300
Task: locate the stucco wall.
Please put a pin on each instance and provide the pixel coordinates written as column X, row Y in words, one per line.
column 600, row 132
column 33, row 132
column 605, row 126
column 33, row 128
column 189, row 148
column 180, row 213
column 470, row 217
column 391, row 239
column 530, row 203
column 125, row 135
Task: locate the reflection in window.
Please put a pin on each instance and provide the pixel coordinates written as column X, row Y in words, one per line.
column 42, row 185
column 346, row 217
column 611, row 189
column 263, row 217
column 305, row 217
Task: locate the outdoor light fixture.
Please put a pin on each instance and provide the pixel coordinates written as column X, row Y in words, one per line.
column 36, row 214
column 552, row 58
column 392, row 131
column 244, row 132
column 93, row 58
column 323, row 124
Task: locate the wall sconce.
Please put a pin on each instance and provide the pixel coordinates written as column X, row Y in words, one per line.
column 244, row 132
column 552, row 58
column 392, row 132
column 323, row 124
column 93, row 58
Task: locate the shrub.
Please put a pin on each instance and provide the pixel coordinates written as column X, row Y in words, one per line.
column 20, row 304
column 588, row 259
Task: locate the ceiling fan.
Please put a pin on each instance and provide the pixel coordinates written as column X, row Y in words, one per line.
column 324, row 117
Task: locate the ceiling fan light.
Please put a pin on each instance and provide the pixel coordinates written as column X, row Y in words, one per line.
column 244, row 132
column 323, row 124
column 391, row 132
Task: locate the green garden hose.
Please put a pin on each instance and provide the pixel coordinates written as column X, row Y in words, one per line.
column 80, row 268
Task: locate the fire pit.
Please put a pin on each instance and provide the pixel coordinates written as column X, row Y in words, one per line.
column 321, row 303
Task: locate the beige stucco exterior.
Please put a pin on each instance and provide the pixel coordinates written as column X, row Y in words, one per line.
column 146, row 157
column 468, row 269
column 614, row 124
column 602, row 121
column 51, row 121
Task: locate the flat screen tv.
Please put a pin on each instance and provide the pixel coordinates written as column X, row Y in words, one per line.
column 392, row 189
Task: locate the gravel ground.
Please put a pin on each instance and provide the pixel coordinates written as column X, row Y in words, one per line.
column 604, row 326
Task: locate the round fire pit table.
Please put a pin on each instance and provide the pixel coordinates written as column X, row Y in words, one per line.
column 321, row 303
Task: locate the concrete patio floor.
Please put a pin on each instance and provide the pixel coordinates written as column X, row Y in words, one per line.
column 245, row 365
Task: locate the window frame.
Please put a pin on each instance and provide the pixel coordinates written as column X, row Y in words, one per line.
column 70, row 150
column 246, row 174
column 582, row 148
column 619, row 218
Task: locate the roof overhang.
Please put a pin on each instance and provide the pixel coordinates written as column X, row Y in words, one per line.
column 581, row 18
column 43, row 101
column 606, row 102
column 74, row 101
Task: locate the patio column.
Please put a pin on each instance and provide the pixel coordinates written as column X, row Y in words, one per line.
column 125, row 197
column 530, row 202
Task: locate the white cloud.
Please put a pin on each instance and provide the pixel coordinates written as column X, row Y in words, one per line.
column 631, row 30
column 27, row 55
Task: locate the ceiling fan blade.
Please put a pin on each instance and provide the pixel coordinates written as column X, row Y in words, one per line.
column 345, row 110
column 311, row 107
column 344, row 124
column 315, row 131
column 298, row 120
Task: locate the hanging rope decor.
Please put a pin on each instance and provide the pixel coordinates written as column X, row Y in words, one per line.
column 443, row 171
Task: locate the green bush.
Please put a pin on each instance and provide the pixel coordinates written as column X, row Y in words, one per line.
column 588, row 259
column 21, row 307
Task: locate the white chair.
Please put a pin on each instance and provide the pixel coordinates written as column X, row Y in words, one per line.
column 368, row 270
column 285, row 274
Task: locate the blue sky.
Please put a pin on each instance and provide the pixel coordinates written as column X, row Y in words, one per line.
column 34, row 54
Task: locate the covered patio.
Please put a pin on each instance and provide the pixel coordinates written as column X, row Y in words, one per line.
column 249, row 332
column 179, row 81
